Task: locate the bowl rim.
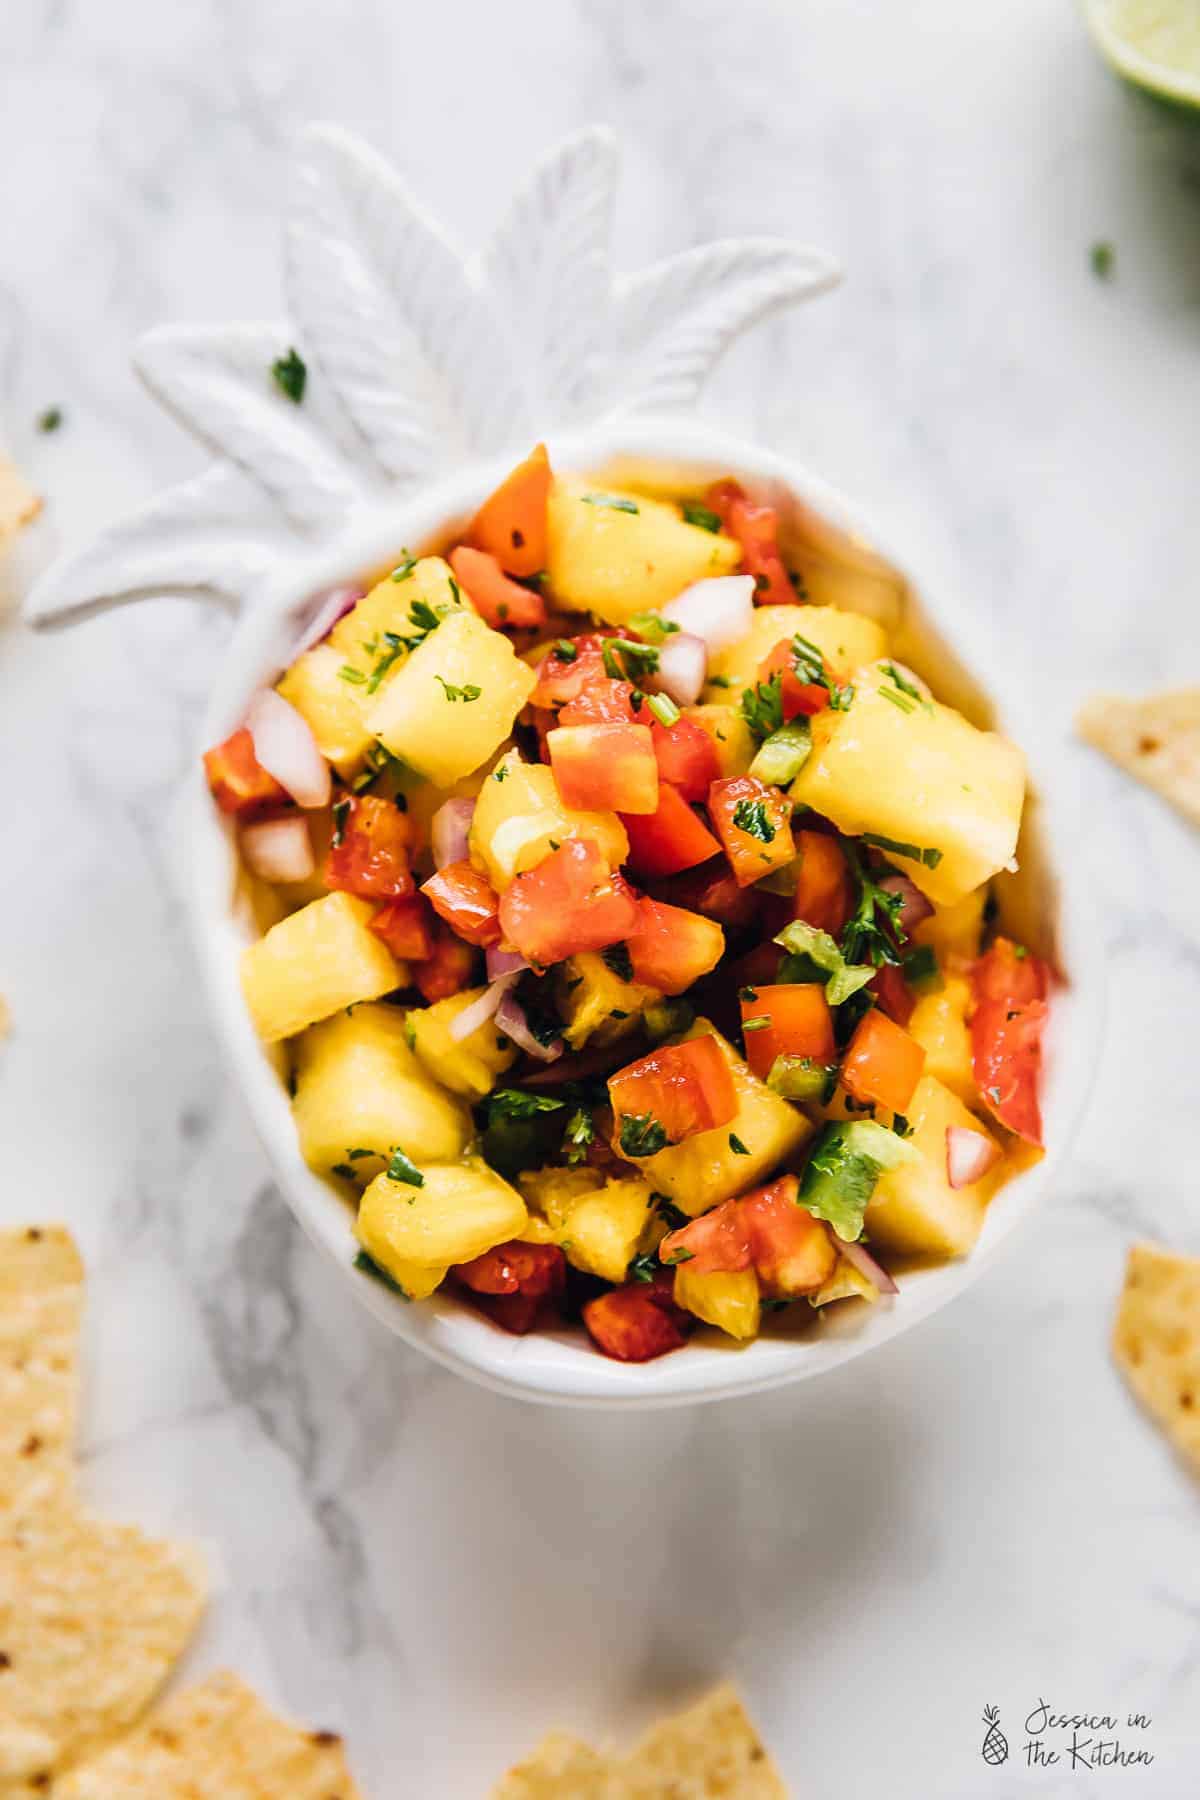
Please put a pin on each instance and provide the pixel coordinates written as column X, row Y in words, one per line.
column 554, row 1367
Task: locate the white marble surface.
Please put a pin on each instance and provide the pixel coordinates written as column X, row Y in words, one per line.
column 979, row 1516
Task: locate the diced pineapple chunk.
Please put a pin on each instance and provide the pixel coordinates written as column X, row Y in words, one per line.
column 335, row 708
column 596, row 1003
column 519, row 817
column 469, row 1068
column 917, row 773
column 598, row 1222
column 846, row 1283
column 361, row 1093
column 955, row 930
column 314, row 963
column 358, row 636
column 735, row 742
column 847, row 641
column 452, row 704
column 461, row 1210
column 914, row 1209
column 705, row 1168
column 414, row 1280
column 939, row 1024
column 728, row 1301
column 619, row 560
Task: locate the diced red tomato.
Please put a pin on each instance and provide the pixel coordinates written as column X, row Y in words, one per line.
column 795, row 696
column 561, row 678
column 535, row 1270
column 499, row 601
column 406, row 929
column 238, row 780
column 687, row 757
column 670, row 839
column 685, row 1087
column 448, row 968
column 882, row 1064
column 517, row 1313
column 892, row 993
column 823, row 891
column 670, row 948
column 467, row 901
column 756, row 530
column 633, row 1324
column 754, row 824
column 569, row 903
column 793, row 1252
column 598, row 768
column 798, row 1023
column 511, row 523
column 603, row 702
column 370, row 856
column 1006, row 1035
column 711, row 890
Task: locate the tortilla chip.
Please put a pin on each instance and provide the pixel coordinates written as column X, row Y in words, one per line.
column 18, row 502
column 216, row 1742
column 41, row 1303
column 562, row 1768
column 710, row 1752
column 93, row 1617
column 1156, row 738
column 1156, row 1341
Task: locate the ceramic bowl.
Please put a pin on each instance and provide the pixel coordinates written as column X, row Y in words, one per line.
column 412, row 415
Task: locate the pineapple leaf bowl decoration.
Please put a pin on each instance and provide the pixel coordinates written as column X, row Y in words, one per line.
column 404, row 382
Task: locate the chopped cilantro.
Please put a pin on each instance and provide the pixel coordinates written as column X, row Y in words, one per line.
column 385, row 659
column 668, row 1212
column 664, row 709
column 468, row 693
column 565, row 650
column 642, row 1135
column 750, row 816
column 929, row 858
column 721, row 681
column 1103, row 259
column 345, row 1171
column 513, row 1103
column 370, row 1267
column 402, row 1168
column 921, row 969
column 617, row 958
column 580, row 1134
column 736, row 1145
column 761, row 1022
column 626, row 660
column 901, row 1126
column 747, row 993
column 652, row 626
column 341, row 812
column 678, row 1256
column 51, row 419
column 643, row 1268
column 614, row 502
column 500, row 774
column 762, row 706
column 404, row 567
column 354, row 676
column 702, row 516
column 290, row 375
column 664, row 1018
column 900, row 701
column 874, row 926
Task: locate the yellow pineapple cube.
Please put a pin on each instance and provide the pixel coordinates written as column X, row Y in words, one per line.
column 735, row 743
column 414, row 1280
column 596, row 1003
column 459, row 1211
column 617, row 560
column 599, row 1223
column 954, row 931
column 847, row 641
column 846, row 1283
column 452, row 703
column 519, row 817
column 315, row 962
column 358, row 636
column 469, row 1068
column 916, row 773
column 705, row 1168
column 914, row 1210
column 551, row 1193
column 334, row 708
column 939, row 1024
column 729, row 1301
column 361, row 1093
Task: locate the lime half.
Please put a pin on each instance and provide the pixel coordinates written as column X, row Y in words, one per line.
column 1155, row 44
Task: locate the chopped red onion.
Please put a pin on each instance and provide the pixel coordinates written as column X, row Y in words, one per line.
column 448, row 831
column 969, row 1155
column 286, row 748
column 913, row 905
column 335, row 605
column 682, row 668
column 480, row 1010
column 511, row 1020
column 866, row 1265
column 279, row 849
column 504, row 962
column 720, row 610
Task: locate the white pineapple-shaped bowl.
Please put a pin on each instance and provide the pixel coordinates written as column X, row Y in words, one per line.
column 429, row 372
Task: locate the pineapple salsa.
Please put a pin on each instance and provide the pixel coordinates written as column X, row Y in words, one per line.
column 625, row 924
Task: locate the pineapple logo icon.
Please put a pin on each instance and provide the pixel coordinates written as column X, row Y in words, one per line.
column 995, row 1744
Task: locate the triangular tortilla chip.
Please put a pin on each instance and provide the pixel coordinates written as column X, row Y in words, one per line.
column 93, row 1617
column 1156, row 738
column 562, row 1768
column 1156, row 1341
column 18, row 502
column 216, row 1742
column 41, row 1303
column 710, row 1752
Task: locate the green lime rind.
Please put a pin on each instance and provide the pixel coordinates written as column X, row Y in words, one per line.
column 1154, row 45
